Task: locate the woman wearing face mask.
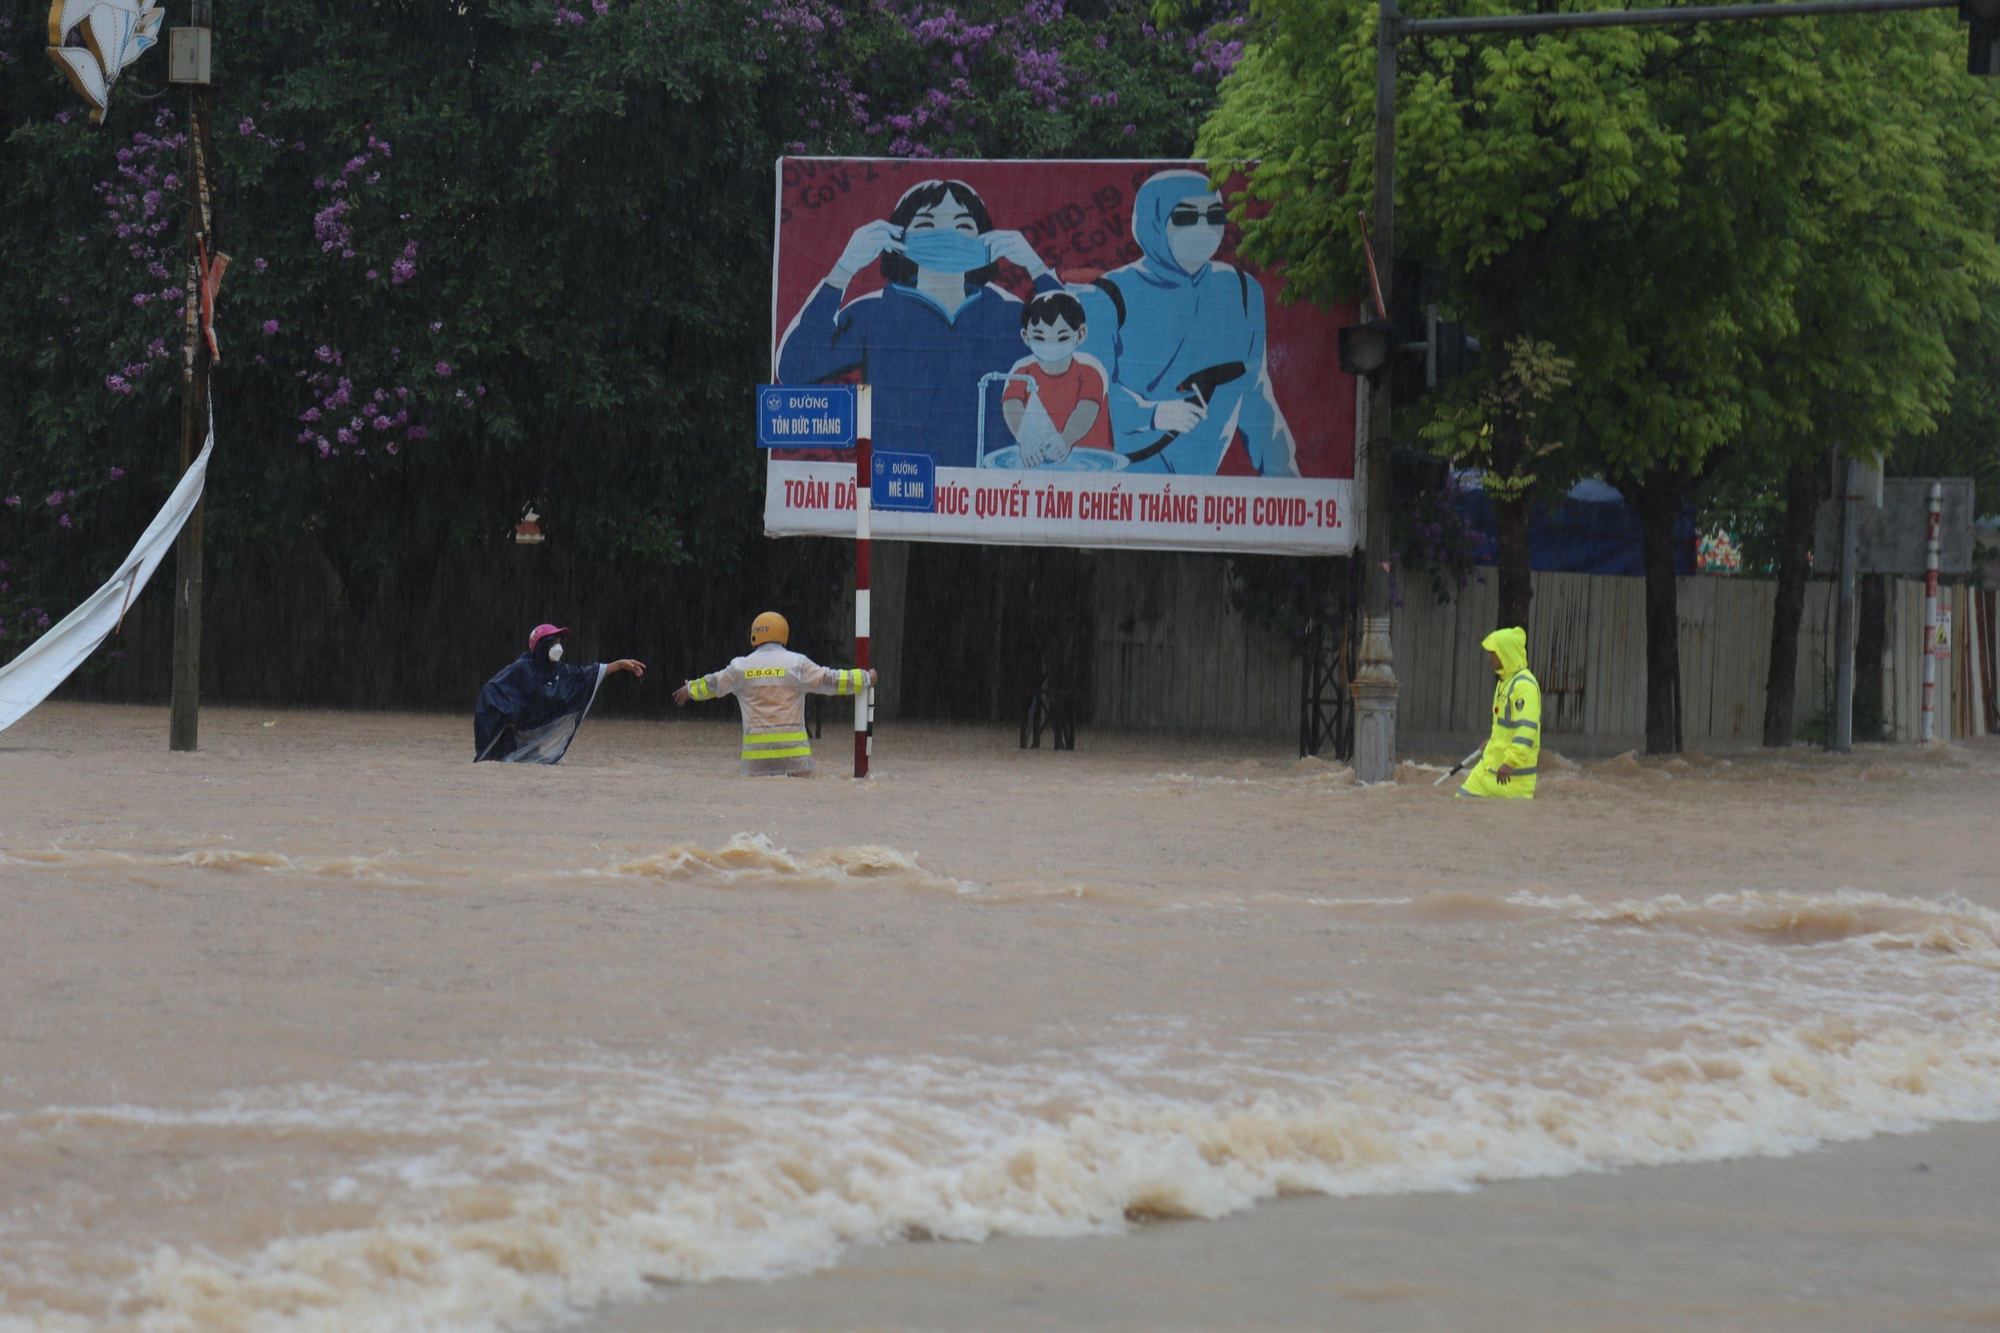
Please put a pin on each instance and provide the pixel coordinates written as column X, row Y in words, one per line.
column 529, row 713
column 1178, row 318
column 928, row 336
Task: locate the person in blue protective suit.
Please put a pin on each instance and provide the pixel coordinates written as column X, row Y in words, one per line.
column 927, row 338
column 1184, row 339
column 530, row 711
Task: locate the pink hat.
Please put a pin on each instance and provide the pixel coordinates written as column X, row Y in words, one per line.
column 540, row 632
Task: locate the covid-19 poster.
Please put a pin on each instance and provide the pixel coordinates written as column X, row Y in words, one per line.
column 1076, row 345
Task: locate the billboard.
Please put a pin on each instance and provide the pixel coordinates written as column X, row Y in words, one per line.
column 1075, row 346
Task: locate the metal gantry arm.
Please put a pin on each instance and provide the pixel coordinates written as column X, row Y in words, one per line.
column 1667, row 16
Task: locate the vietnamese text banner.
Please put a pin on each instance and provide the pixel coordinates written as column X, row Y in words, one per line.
column 1062, row 328
column 1301, row 516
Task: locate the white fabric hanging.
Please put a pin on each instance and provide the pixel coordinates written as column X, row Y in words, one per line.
column 49, row 660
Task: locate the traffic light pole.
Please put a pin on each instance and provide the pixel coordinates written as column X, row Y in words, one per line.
column 1375, row 688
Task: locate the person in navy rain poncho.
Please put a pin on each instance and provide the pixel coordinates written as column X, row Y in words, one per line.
column 529, row 713
column 1184, row 339
column 927, row 337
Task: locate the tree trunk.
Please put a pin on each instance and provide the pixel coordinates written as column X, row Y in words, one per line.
column 1659, row 496
column 1794, row 563
column 1516, row 588
column 1871, row 637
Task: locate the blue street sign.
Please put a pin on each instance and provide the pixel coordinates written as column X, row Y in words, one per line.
column 904, row 481
column 805, row 416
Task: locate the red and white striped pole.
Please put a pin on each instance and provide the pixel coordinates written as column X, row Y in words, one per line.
column 1933, row 521
column 864, row 485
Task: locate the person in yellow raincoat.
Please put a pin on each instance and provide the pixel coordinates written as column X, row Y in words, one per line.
column 771, row 683
column 1514, row 750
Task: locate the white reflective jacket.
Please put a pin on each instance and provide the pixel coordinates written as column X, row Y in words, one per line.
column 771, row 685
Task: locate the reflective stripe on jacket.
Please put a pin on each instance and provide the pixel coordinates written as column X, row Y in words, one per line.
column 1517, row 722
column 771, row 684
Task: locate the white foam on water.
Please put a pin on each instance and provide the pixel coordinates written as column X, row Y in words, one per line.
column 502, row 1203
column 508, row 1195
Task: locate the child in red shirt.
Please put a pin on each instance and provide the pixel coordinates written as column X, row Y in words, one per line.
column 1068, row 408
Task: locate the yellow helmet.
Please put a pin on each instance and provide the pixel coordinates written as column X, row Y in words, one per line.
column 769, row 628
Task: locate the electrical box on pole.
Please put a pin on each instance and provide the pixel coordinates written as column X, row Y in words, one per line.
column 188, row 55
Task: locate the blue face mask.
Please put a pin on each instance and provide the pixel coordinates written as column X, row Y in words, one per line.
column 946, row 251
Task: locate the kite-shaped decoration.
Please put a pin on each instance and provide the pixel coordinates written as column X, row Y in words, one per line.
column 94, row 41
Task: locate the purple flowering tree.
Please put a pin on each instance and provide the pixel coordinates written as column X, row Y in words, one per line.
column 487, row 256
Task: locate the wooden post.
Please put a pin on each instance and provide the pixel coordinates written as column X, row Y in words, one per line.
column 184, row 729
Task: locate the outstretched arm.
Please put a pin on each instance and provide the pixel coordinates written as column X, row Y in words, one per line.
column 834, row 680
column 712, row 686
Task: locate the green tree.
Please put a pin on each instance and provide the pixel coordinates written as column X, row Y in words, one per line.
column 1667, row 207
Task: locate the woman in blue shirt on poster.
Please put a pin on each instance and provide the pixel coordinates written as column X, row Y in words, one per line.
column 1184, row 338
column 928, row 336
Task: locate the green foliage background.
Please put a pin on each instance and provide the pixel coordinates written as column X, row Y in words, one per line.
column 583, row 199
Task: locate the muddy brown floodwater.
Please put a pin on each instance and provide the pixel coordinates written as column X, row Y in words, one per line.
column 324, row 1027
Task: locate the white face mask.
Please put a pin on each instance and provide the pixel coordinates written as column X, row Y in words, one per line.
column 555, row 652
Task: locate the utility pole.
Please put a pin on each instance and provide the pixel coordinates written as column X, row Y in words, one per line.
column 1375, row 686
column 188, row 62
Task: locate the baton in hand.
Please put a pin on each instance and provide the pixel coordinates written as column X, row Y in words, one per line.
column 1459, row 767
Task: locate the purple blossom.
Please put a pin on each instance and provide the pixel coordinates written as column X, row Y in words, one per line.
column 13, row 502
column 117, row 384
column 62, row 522
column 1131, row 130
column 436, row 326
column 117, row 473
column 443, row 368
column 535, row 68
column 401, row 272
column 417, row 433
column 259, row 265
column 325, row 353
column 270, row 327
column 1041, row 73
column 310, row 414
column 373, row 275
column 330, row 231
column 344, row 435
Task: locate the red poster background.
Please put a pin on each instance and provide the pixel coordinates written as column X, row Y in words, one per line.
column 1078, row 217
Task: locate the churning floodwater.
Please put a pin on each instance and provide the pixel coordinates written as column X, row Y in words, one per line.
column 326, row 1029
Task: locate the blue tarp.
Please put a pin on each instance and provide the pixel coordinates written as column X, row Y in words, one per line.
column 1593, row 531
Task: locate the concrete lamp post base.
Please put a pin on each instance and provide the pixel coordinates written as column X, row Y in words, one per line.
column 1375, row 691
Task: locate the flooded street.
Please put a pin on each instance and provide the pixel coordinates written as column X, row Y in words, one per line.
column 325, row 1028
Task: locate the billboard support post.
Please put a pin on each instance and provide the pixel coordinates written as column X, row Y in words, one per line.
column 1933, row 518
column 864, row 698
